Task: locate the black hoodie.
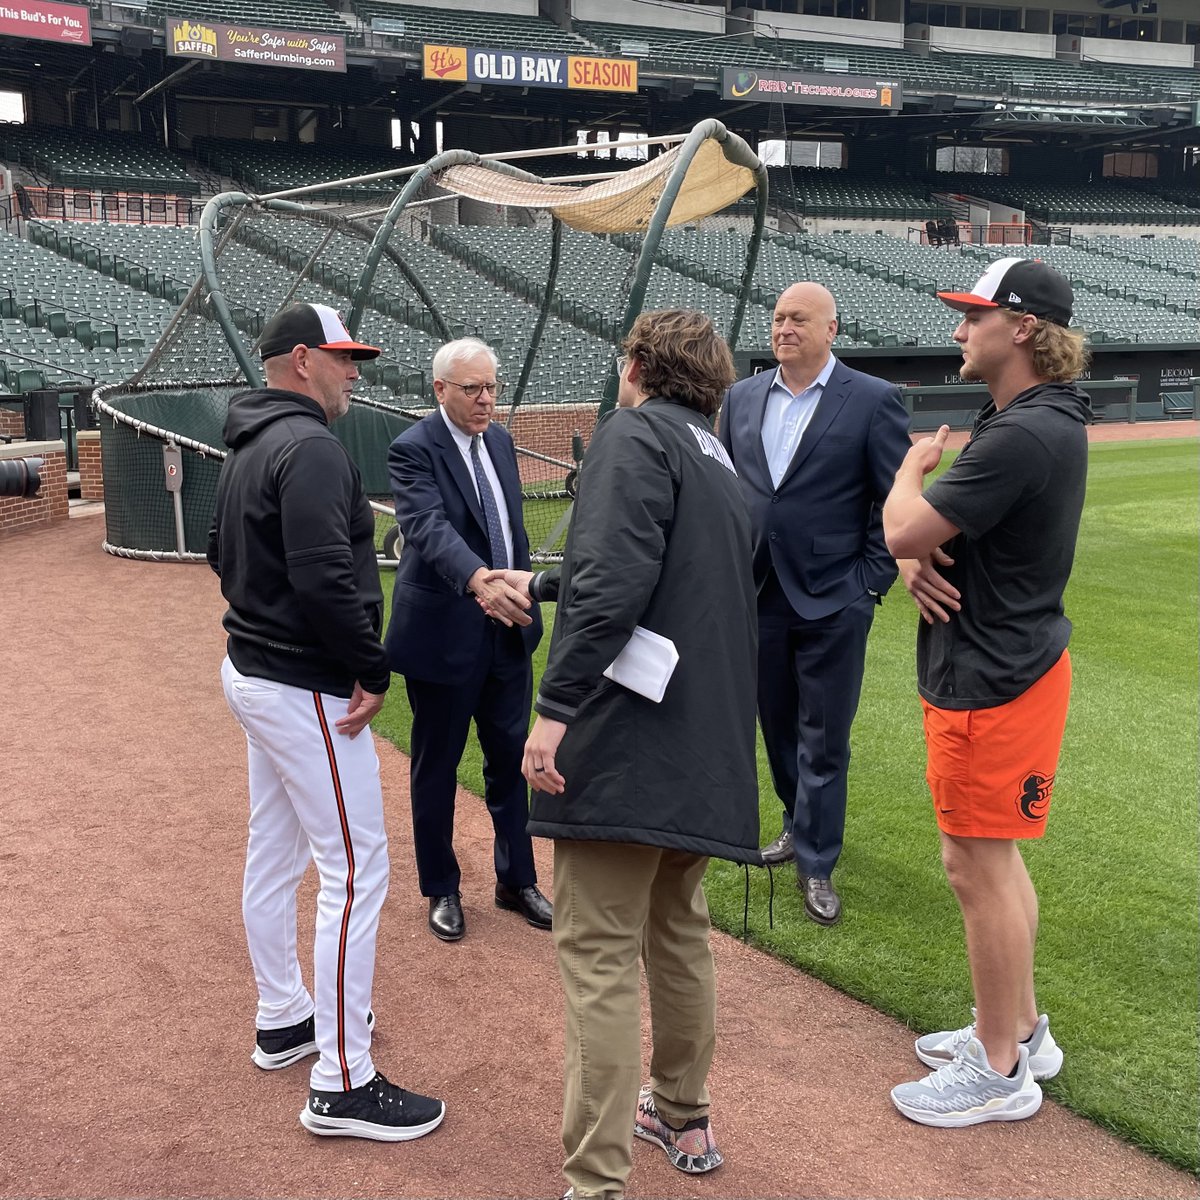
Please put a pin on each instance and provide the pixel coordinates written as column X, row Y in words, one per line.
column 293, row 540
column 1016, row 492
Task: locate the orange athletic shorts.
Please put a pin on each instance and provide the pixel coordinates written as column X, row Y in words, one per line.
column 991, row 770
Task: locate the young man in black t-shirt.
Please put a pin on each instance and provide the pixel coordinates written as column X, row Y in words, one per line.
column 986, row 552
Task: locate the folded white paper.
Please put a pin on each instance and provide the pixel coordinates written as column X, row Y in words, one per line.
column 645, row 665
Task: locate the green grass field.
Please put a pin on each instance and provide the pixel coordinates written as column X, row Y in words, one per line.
column 1117, row 873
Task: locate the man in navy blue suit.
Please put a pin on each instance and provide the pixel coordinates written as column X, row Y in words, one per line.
column 458, row 504
column 816, row 446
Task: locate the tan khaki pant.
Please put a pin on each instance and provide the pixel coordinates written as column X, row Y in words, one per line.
column 614, row 903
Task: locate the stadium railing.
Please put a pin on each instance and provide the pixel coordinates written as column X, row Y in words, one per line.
column 958, row 404
column 83, row 205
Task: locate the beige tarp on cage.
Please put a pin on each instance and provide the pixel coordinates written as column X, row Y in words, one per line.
column 620, row 205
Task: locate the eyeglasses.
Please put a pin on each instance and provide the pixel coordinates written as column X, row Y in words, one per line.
column 622, row 361
column 474, row 390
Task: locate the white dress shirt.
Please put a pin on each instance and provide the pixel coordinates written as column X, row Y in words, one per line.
column 786, row 417
column 463, row 442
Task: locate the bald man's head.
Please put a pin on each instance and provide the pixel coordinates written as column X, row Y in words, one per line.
column 802, row 332
column 819, row 299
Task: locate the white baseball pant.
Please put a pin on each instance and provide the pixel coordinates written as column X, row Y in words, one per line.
column 314, row 794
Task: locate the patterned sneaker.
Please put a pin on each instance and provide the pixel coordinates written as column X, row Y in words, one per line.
column 378, row 1110
column 968, row 1092
column 690, row 1149
column 278, row 1048
column 1045, row 1057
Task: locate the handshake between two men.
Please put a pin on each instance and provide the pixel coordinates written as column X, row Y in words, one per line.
column 505, row 596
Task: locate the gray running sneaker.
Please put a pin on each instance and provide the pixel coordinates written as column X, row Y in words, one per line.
column 968, row 1092
column 1045, row 1057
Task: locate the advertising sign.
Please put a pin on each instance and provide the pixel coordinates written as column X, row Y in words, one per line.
column 797, row 87
column 249, row 44
column 521, row 68
column 46, row 21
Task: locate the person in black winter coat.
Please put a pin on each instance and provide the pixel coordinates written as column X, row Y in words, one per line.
column 637, row 794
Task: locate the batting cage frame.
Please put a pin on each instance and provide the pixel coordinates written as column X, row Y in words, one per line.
column 165, row 430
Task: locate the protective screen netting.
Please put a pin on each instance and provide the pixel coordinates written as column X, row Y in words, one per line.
column 548, row 274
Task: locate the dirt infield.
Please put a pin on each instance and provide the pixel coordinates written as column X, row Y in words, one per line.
column 129, row 1000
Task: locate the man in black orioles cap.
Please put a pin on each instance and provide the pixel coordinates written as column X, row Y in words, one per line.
column 986, row 551
column 293, row 540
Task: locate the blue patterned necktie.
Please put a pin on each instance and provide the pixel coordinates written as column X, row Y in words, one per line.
column 487, row 499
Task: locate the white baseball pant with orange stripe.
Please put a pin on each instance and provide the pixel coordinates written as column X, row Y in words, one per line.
column 314, row 794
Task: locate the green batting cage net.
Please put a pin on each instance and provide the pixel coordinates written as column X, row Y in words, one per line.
column 549, row 271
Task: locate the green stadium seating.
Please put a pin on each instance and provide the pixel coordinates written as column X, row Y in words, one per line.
column 1103, row 203
column 262, row 167
column 678, row 50
column 112, row 162
column 464, row 27
column 1168, row 84
column 280, row 14
column 1043, row 78
column 821, row 192
column 934, row 73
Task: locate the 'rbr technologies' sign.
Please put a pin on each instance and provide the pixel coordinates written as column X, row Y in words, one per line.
column 797, row 87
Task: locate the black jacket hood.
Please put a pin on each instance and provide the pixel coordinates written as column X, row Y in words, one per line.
column 293, row 540
column 1067, row 398
column 250, row 412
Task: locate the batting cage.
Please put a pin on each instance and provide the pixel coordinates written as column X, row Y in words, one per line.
column 550, row 272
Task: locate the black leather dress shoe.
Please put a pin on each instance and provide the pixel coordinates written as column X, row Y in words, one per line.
column 779, row 851
column 446, row 917
column 529, row 902
column 821, row 901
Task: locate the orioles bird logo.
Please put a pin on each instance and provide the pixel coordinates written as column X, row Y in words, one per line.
column 1035, row 796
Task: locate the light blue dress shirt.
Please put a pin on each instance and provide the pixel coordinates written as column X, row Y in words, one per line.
column 786, row 417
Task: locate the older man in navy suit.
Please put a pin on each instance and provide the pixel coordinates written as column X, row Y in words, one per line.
column 816, row 446
column 458, row 504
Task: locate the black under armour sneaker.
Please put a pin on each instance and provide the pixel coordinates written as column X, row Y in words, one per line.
column 278, row 1048
column 378, row 1110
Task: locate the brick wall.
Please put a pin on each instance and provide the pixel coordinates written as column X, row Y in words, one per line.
column 548, row 429
column 12, row 422
column 51, row 502
column 91, row 465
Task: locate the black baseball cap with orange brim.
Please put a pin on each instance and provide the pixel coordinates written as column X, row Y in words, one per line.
column 314, row 325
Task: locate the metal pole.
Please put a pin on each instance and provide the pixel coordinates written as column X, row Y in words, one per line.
column 498, row 156
column 162, row 83
column 539, row 327
column 736, row 151
column 208, row 261
column 760, row 217
column 173, row 481
column 379, row 245
column 180, row 540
